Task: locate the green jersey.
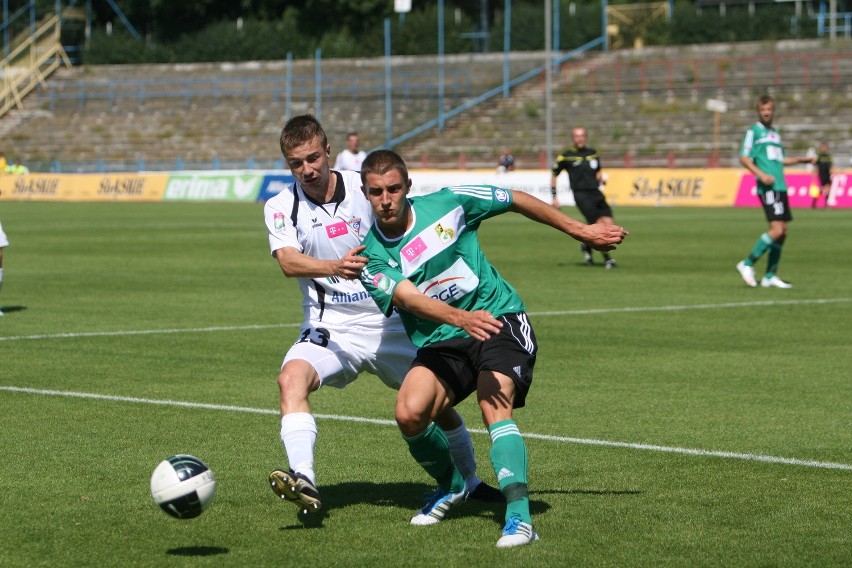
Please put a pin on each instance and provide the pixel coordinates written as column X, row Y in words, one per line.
column 763, row 145
column 440, row 254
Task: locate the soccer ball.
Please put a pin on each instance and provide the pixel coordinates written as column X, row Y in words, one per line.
column 183, row 486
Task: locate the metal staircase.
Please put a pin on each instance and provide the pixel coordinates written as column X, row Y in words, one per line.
column 31, row 63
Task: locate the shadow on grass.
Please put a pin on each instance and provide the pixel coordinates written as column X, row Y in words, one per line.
column 398, row 496
column 590, row 492
column 197, row 551
column 10, row 309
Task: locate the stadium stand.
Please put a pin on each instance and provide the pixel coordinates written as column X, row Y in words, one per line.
column 643, row 107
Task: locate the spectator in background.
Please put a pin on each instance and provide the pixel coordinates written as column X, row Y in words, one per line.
column 762, row 154
column 351, row 157
column 3, row 163
column 583, row 165
column 4, row 242
column 506, row 161
column 824, row 171
column 15, row 168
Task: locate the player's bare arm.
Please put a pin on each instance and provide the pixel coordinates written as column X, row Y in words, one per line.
column 295, row 264
column 600, row 236
column 479, row 324
column 793, row 160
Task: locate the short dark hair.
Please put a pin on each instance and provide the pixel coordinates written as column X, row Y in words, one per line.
column 765, row 99
column 381, row 162
column 299, row 130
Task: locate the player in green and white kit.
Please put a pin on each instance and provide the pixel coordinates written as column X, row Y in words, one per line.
column 762, row 154
column 423, row 257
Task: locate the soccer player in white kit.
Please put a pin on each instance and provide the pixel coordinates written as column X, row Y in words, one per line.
column 315, row 230
column 4, row 242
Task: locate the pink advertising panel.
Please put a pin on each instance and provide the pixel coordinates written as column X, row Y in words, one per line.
column 799, row 188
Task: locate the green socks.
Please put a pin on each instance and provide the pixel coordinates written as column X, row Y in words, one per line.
column 763, row 243
column 432, row 451
column 509, row 458
column 774, row 258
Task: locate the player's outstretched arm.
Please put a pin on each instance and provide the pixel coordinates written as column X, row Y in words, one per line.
column 295, row 264
column 479, row 324
column 599, row 236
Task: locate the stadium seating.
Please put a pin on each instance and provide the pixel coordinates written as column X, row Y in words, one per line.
column 642, row 108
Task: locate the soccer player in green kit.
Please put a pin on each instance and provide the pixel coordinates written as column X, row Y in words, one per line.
column 762, row 154
column 471, row 327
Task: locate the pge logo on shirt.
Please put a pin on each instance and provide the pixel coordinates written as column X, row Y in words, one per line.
column 453, row 283
column 501, row 195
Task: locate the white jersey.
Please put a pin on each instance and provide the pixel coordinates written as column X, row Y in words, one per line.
column 347, row 160
column 4, row 242
column 326, row 232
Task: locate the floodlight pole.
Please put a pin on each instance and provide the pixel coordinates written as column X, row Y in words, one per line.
column 548, row 79
column 440, row 65
column 388, row 113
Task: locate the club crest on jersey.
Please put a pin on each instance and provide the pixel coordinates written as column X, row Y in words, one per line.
column 278, row 221
column 337, row 229
column 445, row 234
column 355, row 223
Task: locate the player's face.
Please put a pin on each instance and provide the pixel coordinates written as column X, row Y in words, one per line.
column 766, row 111
column 578, row 135
column 352, row 144
column 309, row 164
column 387, row 194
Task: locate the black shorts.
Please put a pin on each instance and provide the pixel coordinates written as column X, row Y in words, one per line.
column 592, row 204
column 775, row 205
column 458, row 362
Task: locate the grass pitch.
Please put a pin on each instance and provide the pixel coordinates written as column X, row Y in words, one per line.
column 677, row 417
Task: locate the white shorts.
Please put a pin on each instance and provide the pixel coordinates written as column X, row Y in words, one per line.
column 339, row 355
column 4, row 242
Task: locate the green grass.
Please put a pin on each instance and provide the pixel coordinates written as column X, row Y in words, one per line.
column 181, row 302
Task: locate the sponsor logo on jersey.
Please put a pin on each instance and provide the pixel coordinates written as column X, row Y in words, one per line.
column 278, row 220
column 501, row 195
column 414, row 249
column 383, row 283
column 452, row 284
column 445, row 234
column 337, row 229
column 347, row 298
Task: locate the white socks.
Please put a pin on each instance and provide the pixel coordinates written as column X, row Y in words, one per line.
column 298, row 435
column 461, row 450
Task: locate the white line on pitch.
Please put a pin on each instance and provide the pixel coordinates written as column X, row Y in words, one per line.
column 150, row 331
column 564, row 439
column 549, row 313
column 694, row 307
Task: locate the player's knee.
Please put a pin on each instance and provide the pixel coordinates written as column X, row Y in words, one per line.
column 410, row 417
column 293, row 386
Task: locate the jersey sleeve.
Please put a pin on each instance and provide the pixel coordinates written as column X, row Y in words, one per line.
column 747, row 143
column 559, row 165
column 481, row 202
column 378, row 277
column 282, row 232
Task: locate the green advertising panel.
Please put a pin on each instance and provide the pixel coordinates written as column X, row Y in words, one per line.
column 213, row 187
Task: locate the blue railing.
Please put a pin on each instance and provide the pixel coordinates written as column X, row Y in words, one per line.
column 407, row 86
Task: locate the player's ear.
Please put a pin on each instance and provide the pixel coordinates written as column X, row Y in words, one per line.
column 407, row 185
